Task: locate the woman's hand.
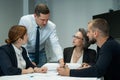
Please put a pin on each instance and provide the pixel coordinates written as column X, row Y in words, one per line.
column 40, row 70
column 28, row 70
column 84, row 65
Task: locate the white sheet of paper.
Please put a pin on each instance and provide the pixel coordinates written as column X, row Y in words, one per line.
column 53, row 66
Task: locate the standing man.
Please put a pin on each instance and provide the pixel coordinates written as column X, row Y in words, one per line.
column 40, row 29
column 108, row 54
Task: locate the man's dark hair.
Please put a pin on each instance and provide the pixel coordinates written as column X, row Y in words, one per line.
column 41, row 8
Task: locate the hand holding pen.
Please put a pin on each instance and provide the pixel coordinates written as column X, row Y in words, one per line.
column 63, row 65
column 63, row 70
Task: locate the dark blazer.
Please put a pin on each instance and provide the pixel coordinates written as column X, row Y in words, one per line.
column 8, row 60
column 89, row 55
column 107, row 64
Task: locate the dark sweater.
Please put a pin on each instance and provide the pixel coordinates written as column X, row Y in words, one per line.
column 107, row 65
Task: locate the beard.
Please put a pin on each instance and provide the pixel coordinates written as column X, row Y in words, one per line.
column 92, row 41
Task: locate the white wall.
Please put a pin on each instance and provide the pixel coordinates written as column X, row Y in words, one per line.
column 10, row 12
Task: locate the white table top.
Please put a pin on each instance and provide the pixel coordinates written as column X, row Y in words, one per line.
column 50, row 75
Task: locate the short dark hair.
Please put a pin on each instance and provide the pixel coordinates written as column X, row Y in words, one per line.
column 41, row 8
column 100, row 24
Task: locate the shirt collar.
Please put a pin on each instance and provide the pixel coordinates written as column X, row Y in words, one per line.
column 18, row 51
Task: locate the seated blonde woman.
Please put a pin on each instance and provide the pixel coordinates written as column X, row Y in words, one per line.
column 13, row 57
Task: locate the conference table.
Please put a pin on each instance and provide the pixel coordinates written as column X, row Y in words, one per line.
column 50, row 75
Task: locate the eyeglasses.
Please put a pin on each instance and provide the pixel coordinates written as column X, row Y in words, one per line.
column 77, row 37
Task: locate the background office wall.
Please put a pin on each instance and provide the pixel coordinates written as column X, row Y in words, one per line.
column 10, row 12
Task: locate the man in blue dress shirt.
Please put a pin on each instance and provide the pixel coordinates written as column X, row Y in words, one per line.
column 47, row 30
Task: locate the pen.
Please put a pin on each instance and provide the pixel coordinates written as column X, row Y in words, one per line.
column 64, row 65
column 31, row 77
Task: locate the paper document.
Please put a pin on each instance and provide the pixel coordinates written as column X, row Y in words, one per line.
column 53, row 66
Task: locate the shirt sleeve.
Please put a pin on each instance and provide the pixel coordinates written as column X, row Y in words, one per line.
column 57, row 49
